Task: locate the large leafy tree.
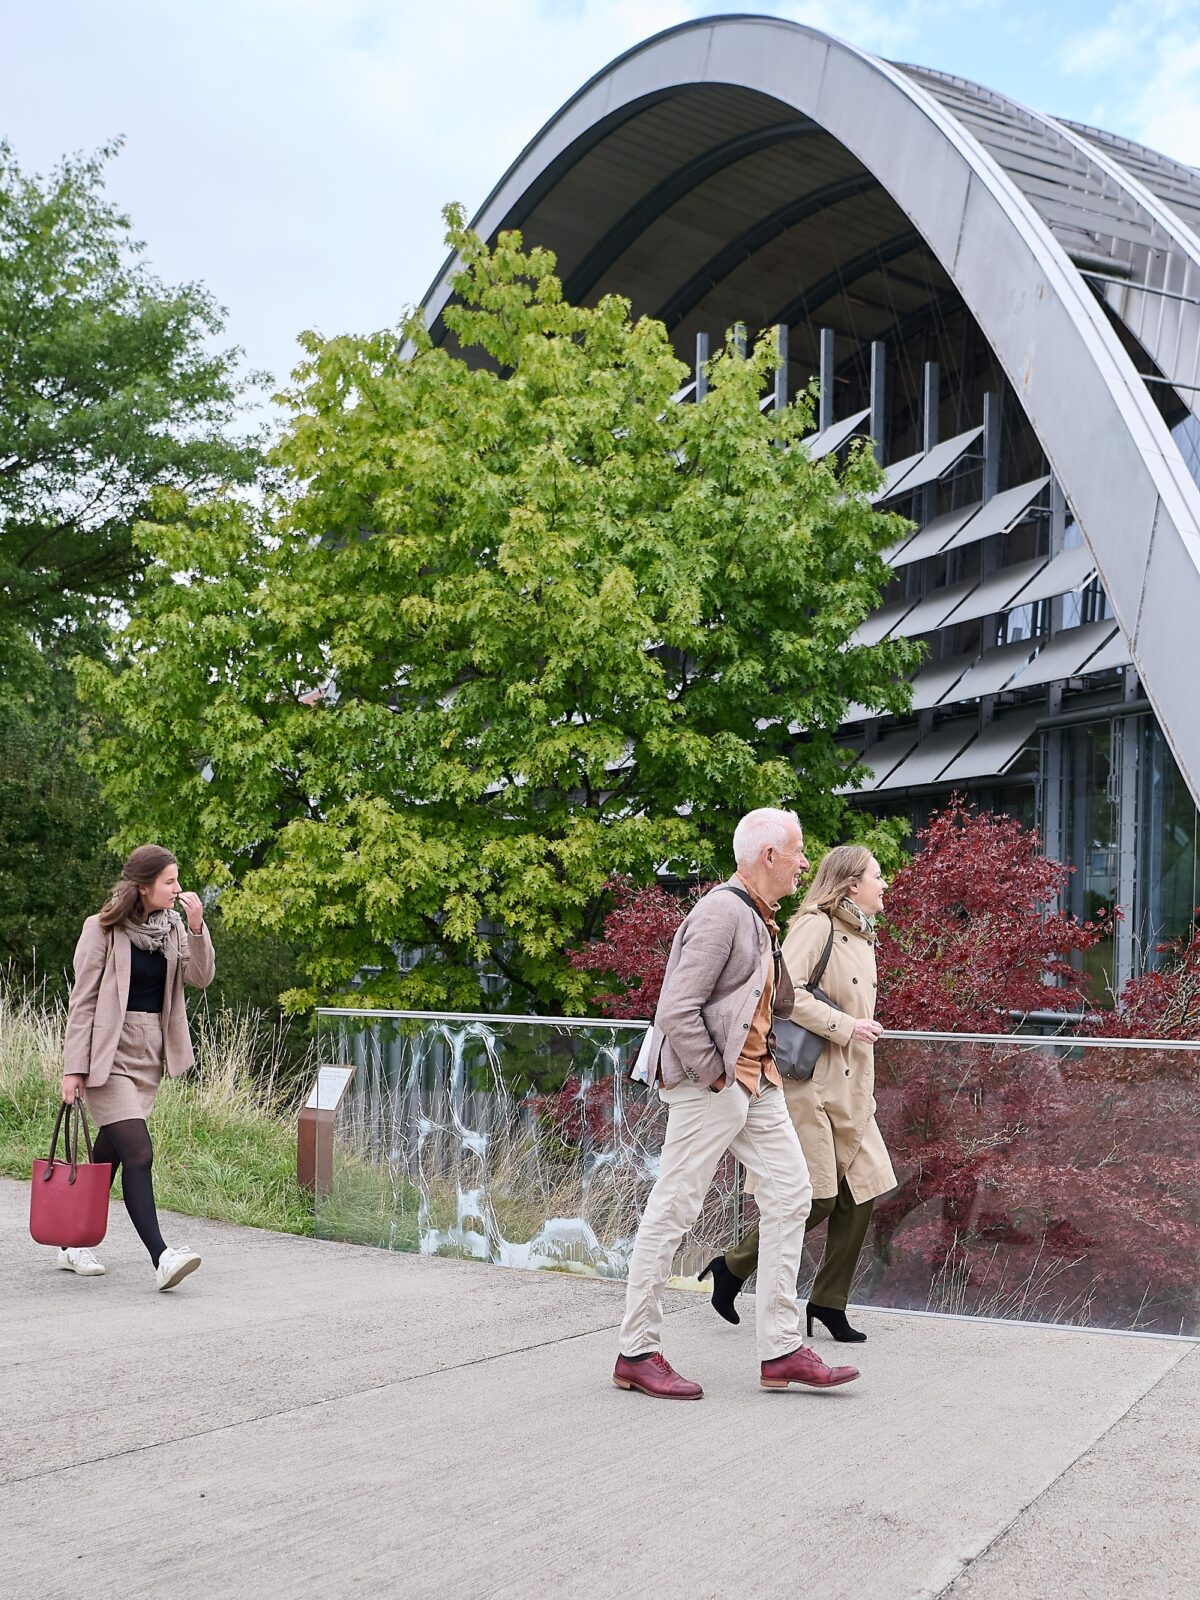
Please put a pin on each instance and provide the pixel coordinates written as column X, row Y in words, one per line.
column 110, row 385
column 55, row 864
column 522, row 623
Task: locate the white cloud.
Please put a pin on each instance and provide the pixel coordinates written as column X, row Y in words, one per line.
column 1149, row 56
column 1106, row 46
column 1167, row 113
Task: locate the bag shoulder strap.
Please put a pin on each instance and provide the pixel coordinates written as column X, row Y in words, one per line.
column 731, row 888
column 776, row 951
column 819, row 970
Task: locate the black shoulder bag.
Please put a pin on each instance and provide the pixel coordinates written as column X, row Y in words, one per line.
column 796, row 1050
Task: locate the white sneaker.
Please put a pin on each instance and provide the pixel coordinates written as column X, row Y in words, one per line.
column 81, row 1261
column 173, row 1266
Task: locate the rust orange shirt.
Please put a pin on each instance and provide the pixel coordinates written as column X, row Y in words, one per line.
column 755, row 1063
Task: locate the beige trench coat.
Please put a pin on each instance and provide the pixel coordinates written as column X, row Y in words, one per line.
column 834, row 1112
column 96, row 1013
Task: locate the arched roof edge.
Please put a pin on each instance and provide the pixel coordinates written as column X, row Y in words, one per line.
column 1184, row 241
column 693, row 25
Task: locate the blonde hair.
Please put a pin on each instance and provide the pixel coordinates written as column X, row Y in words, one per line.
column 840, row 870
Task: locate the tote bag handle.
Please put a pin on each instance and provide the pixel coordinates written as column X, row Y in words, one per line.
column 76, row 1118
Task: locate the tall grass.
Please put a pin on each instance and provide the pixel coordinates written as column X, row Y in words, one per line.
column 224, row 1136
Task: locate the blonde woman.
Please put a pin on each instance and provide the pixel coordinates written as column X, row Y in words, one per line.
column 834, row 1112
column 127, row 1021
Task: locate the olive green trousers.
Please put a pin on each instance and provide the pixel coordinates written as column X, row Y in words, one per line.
column 848, row 1224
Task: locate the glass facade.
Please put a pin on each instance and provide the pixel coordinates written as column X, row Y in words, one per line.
column 1168, row 848
column 1099, row 783
column 1186, row 433
column 1122, row 817
column 1091, row 843
column 1105, row 794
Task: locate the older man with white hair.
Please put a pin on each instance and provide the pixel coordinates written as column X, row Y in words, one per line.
column 710, row 1050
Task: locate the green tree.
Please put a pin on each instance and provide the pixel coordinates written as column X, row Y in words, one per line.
column 55, row 864
column 110, row 385
column 522, row 623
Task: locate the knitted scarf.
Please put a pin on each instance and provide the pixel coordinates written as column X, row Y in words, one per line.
column 155, row 933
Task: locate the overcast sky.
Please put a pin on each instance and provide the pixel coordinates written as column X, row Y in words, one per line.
column 294, row 155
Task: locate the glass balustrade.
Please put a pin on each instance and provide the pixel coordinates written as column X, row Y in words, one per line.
column 1052, row 1180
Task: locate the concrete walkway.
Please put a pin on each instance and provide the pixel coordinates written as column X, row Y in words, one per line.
column 303, row 1419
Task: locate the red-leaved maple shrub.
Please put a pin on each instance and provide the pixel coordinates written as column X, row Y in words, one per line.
column 637, row 941
column 970, row 933
column 1164, row 1004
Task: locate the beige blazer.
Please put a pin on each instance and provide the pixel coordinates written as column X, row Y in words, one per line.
column 100, row 993
column 834, row 1112
column 720, row 958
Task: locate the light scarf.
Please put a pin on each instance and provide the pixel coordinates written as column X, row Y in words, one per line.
column 866, row 924
column 155, row 933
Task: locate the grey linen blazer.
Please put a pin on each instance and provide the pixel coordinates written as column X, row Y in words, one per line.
column 720, row 958
column 96, row 1013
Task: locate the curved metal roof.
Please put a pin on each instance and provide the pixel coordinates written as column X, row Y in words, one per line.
column 1173, row 182
column 685, row 173
column 1107, row 218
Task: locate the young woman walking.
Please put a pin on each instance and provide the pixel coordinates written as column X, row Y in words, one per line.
column 127, row 1020
column 834, row 1112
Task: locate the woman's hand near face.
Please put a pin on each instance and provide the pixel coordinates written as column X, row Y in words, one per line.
column 867, row 1030
column 193, row 909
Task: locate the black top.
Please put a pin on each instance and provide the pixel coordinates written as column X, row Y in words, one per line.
column 147, row 979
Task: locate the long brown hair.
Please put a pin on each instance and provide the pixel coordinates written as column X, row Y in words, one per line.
column 840, row 870
column 141, row 868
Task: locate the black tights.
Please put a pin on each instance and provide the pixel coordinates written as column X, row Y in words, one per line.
column 127, row 1144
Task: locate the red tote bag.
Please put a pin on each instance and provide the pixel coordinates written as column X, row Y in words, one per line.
column 68, row 1200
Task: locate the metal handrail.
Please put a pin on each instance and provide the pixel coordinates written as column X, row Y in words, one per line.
column 1034, row 1041
column 1041, row 1040
column 478, row 1016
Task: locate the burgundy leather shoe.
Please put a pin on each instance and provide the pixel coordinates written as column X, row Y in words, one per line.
column 656, row 1376
column 803, row 1366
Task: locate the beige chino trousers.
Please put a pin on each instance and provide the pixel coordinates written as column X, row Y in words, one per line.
column 701, row 1126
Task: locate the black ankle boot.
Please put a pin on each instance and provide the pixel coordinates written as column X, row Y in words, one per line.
column 835, row 1321
column 726, row 1285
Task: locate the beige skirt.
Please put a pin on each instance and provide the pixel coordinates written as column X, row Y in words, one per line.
column 136, row 1072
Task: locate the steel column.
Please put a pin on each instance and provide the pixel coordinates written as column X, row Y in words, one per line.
column 825, row 403
column 878, row 397
column 781, row 371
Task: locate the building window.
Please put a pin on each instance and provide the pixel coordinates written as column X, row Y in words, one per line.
column 1091, row 843
column 1024, row 622
column 1187, row 436
column 1169, row 846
